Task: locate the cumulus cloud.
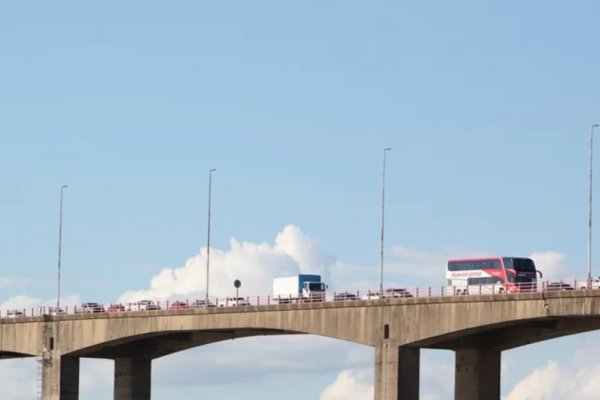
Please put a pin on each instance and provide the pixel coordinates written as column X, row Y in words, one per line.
column 18, row 379
column 351, row 385
column 570, row 372
column 30, row 304
column 553, row 265
column 555, row 381
column 254, row 264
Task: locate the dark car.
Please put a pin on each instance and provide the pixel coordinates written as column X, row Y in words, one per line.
column 14, row 314
column 558, row 286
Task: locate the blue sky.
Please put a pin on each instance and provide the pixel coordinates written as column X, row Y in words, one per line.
column 487, row 108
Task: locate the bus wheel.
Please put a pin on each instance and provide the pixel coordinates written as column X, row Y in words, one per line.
column 501, row 290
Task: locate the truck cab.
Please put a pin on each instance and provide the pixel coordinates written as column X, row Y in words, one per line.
column 314, row 291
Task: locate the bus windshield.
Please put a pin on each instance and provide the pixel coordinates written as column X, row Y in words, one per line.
column 519, row 264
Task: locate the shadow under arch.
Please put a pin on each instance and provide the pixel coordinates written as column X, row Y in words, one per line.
column 158, row 344
column 511, row 334
column 5, row 355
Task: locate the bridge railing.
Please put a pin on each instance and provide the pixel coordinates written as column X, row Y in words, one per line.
column 343, row 296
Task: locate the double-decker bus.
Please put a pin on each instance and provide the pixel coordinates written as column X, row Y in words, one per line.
column 487, row 275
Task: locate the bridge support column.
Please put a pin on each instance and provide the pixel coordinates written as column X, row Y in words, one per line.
column 477, row 375
column 396, row 372
column 60, row 378
column 132, row 378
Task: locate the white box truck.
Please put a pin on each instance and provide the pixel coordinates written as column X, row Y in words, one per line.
column 298, row 288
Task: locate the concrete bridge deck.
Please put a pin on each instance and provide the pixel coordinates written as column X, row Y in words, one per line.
column 477, row 328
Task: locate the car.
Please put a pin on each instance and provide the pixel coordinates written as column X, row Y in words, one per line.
column 233, row 301
column 90, row 308
column 14, row 314
column 201, row 304
column 583, row 283
column 344, row 296
column 370, row 296
column 397, row 293
column 115, row 308
column 558, row 286
column 143, row 305
column 387, row 293
column 178, row 305
column 56, row 311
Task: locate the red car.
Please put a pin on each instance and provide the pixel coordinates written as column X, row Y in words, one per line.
column 115, row 308
column 179, row 305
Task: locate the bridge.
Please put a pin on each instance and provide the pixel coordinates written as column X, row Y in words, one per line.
column 477, row 327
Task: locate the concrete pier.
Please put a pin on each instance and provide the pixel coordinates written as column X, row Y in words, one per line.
column 60, row 378
column 132, row 378
column 477, row 375
column 396, row 372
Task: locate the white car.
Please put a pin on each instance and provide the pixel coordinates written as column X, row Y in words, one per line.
column 583, row 283
column 387, row 293
column 90, row 308
column 143, row 305
column 370, row 296
column 233, row 301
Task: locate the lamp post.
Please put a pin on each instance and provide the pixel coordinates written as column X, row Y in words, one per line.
column 382, row 221
column 590, row 210
column 62, row 188
column 208, row 233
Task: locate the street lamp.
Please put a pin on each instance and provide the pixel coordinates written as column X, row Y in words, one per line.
column 62, row 188
column 382, row 221
column 208, row 234
column 590, row 210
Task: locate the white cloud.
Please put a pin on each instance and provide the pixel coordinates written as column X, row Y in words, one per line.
column 543, row 383
column 18, row 379
column 351, row 385
column 571, row 373
column 253, row 264
column 553, row 265
column 31, row 305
